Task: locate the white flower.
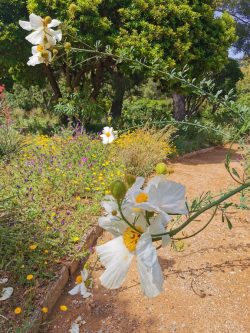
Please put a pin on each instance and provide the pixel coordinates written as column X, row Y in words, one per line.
column 161, row 196
column 80, row 288
column 40, row 55
column 117, row 254
column 108, row 135
column 42, row 32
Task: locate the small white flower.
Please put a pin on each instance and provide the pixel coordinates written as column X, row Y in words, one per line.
column 80, row 288
column 108, row 135
column 42, row 32
column 40, row 55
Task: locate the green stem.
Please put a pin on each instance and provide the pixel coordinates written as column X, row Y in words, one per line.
column 125, row 220
column 201, row 211
column 200, row 230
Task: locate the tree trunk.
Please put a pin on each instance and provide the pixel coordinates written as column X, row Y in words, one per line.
column 52, row 82
column 179, row 106
column 119, row 90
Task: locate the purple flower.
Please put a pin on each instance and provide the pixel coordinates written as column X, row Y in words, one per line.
column 84, row 159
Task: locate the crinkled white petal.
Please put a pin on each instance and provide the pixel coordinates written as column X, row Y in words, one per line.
column 112, row 224
column 56, row 35
column 36, row 21
column 80, row 289
column 35, row 60
column 116, row 258
column 105, row 139
column 158, row 227
column 134, row 189
column 109, row 205
column 6, row 293
column 107, row 129
column 169, row 196
column 36, row 37
column 54, row 23
column 25, row 25
column 149, row 269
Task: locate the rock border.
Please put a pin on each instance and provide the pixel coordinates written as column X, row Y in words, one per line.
column 196, row 152
column 56, row 289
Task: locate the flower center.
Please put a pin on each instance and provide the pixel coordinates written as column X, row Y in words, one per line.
column 108, row 134
column 130, row 238
column 40, row 48
column 142, row 197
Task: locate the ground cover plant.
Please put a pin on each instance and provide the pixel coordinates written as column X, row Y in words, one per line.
column 52, row 189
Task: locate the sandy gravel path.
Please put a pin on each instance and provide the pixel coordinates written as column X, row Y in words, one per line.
column 206, row 287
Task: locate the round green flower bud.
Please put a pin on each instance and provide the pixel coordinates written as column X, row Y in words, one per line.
column 118, row 189
column 67, row 46
column 72, row 8
column 130, row 179
column 55, row 52
column 161, row 169
column 47, row 20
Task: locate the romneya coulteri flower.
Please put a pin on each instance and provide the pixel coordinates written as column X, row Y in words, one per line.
column 80, row 287
column 133, row 226
column 160, row 196
column 40, row 55
column 108, row 135
column 42, row 32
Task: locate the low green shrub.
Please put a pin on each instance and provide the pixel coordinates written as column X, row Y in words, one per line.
column 145, row 110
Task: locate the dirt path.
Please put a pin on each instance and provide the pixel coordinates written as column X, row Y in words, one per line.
column 206, row 285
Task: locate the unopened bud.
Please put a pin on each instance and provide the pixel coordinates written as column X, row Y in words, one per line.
column 161, row 169
column 118, row 190
column 47, row 20
column 55, row 52
column 72, row 8
column 67, row 46
column 130, row 179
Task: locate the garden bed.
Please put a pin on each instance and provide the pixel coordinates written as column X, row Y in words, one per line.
column 52, row 191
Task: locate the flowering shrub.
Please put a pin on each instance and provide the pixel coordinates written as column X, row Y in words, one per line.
column 142, row 149
column 55, row 184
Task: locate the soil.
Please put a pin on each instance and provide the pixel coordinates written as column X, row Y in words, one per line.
column 206, row 284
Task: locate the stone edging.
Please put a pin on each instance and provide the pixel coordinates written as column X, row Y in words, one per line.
column 57, row 287
column 196, row 152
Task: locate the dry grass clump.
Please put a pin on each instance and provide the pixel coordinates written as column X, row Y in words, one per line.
column 142, row 149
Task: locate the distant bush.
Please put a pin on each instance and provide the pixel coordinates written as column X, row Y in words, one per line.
column 143, row 148
column 145, row 110
column 36, row 121
column 27, row 99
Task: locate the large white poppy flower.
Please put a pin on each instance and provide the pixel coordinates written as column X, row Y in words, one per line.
column 81, row 288
column 42, row 32
column 161, row 196
column 108, row 135
column 117, row 254
column 40, row 55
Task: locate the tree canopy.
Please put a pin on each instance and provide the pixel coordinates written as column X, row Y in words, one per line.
column 174, row 32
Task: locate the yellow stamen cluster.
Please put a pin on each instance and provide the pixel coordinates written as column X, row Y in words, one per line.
column 142, row 197
column 40, row 48
column 131, row 238
column 79, row 279
column 108, row 134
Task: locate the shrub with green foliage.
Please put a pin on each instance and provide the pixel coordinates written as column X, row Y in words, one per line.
column 144, row 110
